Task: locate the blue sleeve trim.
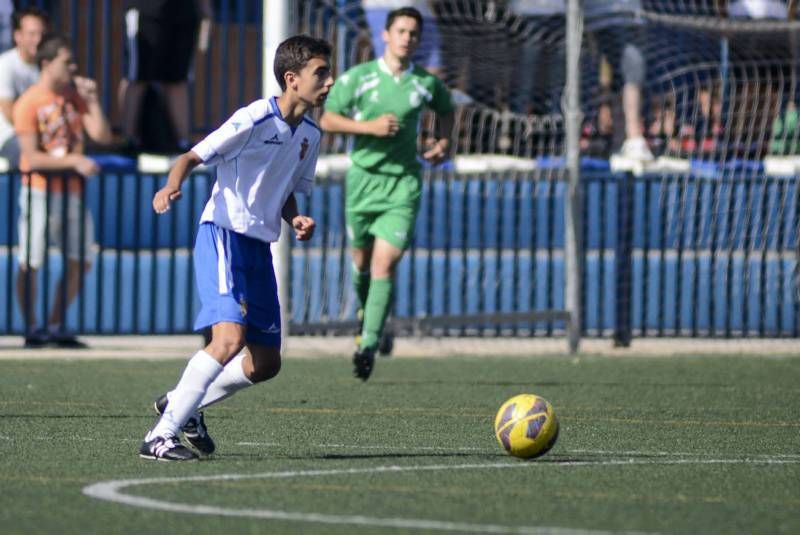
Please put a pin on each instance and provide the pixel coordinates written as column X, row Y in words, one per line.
column 267, row 116
column 312, row 123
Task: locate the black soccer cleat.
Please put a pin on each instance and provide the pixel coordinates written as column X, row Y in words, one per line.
column 386, row 343
column 166, row 449
column 363, row 362
column 194, row 430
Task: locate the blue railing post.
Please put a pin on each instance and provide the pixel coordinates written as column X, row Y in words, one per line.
column 623, row 261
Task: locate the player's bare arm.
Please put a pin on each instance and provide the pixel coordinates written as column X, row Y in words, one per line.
column 303, row 225
column 386, row 125
column 439, row 149
column 172, row 190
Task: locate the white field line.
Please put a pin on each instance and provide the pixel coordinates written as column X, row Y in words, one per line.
column 113, row 491
column 741, row 456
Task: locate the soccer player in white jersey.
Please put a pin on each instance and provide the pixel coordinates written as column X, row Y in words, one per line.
column 265, row 153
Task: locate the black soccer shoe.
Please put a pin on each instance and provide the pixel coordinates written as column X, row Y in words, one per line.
column 194, row 430
column 363, row 362
column 166, row 449
column 386, row 343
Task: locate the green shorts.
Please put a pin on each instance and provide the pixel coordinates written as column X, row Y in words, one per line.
column 382, row 206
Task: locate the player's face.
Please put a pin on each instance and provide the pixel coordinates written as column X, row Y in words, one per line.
column 402, row 37
column 62, row 68
column 28, row 36
column 314, row 81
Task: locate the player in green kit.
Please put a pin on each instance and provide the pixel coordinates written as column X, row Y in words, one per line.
column 380, row 102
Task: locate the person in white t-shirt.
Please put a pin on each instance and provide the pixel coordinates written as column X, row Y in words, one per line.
column 758, row 9
column 18, row 71
column 265, row 153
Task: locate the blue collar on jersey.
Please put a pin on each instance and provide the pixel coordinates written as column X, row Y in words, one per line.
column 278, row 113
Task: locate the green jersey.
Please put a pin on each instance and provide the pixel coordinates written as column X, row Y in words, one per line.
column 370, row 90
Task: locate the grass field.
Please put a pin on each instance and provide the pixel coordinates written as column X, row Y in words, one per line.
column 666, row 445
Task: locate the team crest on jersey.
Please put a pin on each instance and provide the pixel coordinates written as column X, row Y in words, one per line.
column 303, row 148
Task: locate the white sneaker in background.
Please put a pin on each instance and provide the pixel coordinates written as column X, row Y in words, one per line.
column 636, row 149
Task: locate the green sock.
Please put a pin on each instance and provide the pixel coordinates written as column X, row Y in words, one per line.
column 361, row 286
column 376, row 310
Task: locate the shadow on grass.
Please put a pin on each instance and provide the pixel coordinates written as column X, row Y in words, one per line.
column 361, row 456
column 536, row 384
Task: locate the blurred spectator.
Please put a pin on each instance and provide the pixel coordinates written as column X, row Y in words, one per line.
column 537, row 30
column 428, row 54
column 18, row 71
column 50, row 118
column 785, row 134
column 701, row 136
column 160, row 39
column 597, row 133
column 615, row 29
column 6, row 9
column 773, row 56
column 757, row 9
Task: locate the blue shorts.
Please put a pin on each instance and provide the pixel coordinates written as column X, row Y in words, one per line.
column 236, row 283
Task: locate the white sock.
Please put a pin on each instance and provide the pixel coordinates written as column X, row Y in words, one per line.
column 200, row 372
column 231, row 380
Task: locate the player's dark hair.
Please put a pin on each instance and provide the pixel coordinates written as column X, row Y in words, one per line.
column 49, row 46
column 404, row 12
column 294, row 53
column 30, row 11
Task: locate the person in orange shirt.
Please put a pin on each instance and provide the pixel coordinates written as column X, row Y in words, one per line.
column 50, row 119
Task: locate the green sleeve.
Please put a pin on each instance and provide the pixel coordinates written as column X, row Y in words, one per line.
column 441, row 103
column 341, row 97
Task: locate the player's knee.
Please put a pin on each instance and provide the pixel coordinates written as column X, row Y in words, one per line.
column 226, row 345
column 265, row 369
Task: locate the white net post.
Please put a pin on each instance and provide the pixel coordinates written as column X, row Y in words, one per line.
column 573, row 119
column 277, row 27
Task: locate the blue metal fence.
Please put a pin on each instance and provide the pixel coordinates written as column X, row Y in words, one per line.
column 686, row 254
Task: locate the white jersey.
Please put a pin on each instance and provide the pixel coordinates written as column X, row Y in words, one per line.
column 260, row 161
column 15, row 77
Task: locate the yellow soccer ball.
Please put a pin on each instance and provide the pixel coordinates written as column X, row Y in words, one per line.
column 526, row 426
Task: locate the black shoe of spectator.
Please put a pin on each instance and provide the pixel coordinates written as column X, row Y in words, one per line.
column 37, row 339
column 66, row 341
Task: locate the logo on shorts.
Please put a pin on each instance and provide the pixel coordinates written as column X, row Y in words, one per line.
column 273, row 140
column 303, row 148
column 400, row 234
column 243, row 307
column 273, row 329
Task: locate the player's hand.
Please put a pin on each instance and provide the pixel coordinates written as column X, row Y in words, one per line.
column 386, row 125
column 437, row 152
column 303, row 227
column 87, row 88
column 164, row 197
column 86, row 166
